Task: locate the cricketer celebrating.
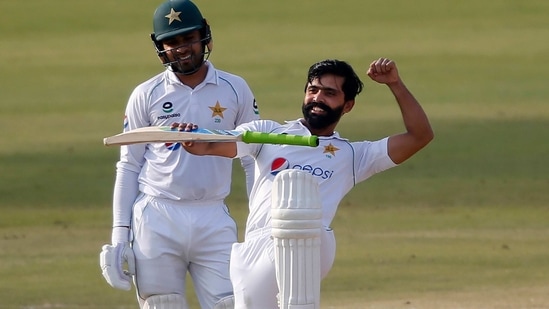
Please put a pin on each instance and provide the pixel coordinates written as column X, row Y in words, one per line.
column 169, row 214
column 261, row 264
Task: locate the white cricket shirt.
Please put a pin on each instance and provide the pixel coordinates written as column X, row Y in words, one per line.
column 221, row 101
column 336, row 163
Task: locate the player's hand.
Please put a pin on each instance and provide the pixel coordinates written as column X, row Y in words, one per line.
column 112, row 261
column 383, row 71
column 191, row 147
column 184, row 126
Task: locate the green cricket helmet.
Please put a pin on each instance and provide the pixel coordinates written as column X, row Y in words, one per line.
column 177, row 17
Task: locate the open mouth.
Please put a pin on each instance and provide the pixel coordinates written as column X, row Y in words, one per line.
column 317, row 110
column 185, row 59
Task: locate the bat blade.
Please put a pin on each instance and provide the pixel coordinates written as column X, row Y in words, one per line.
column 165, row 134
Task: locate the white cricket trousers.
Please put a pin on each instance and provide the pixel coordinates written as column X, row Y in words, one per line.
column 253, row 268
column 172, row 237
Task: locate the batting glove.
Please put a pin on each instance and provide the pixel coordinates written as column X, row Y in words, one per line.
column 112, row 260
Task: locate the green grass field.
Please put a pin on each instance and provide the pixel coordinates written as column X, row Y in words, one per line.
column 464, row 224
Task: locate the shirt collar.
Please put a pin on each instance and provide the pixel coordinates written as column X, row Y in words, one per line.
column 212, row 76
column 298, row 122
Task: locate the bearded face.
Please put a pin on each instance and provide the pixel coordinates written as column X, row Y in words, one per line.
column 187, row 64
column 184, row 53
column 319, row 115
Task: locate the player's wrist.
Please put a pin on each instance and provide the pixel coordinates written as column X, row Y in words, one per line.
column 120, row 234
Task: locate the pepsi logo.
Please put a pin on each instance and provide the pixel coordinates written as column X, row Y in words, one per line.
column 278, row 165
column 173, row 146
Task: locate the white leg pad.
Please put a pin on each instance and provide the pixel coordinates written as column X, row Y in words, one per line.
column 226, row 302
column 296, row 226
column 168, row 301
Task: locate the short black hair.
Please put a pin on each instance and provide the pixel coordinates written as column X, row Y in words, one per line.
column 352, row 85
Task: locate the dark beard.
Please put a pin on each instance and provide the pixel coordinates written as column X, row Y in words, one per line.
column 188, row 69
column 315, row 121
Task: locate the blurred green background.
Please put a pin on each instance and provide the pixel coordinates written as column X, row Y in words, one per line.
column 464, row 224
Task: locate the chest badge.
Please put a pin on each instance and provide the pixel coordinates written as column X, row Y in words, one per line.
column 217, row 110
column 330, row 149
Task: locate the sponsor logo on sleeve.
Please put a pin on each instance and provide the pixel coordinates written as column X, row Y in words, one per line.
column 256, row 107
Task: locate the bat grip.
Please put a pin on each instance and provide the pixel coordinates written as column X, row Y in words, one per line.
column 277, row 138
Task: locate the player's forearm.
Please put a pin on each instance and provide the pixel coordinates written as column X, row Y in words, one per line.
column 126, row 189
column 418, row 130
column 222, row 149
column 415, row 120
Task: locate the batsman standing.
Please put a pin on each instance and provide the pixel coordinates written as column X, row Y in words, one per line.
column 169, row 214
column 258, row 267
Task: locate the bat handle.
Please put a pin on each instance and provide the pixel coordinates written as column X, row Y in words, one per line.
column 277, row 138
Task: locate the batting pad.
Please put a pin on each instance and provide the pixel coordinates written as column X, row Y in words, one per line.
column 296, row 224
column 168, row 301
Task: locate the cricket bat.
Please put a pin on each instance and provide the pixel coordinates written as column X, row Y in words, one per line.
column 167, row 134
